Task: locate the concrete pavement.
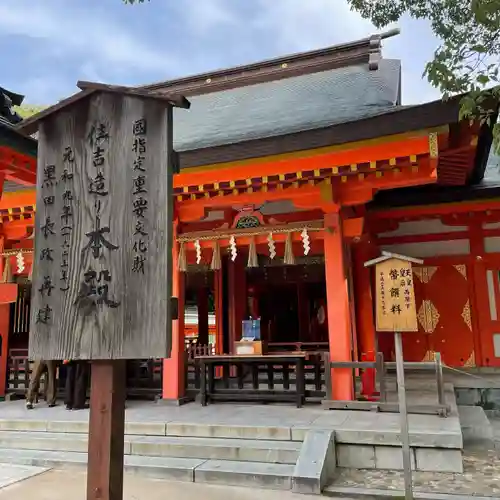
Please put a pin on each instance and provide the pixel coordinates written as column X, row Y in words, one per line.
column 69, row 483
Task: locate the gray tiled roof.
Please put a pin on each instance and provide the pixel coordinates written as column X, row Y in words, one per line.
column 492, row 172
column 286, row 106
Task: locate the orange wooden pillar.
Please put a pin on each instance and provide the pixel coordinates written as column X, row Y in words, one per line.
column 339, row 314
column 4, row 333
column 365, row 321
column 174, row 367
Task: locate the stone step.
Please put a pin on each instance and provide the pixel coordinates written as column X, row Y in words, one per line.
column 208, row 430
column 280, row 452
column 253, row 474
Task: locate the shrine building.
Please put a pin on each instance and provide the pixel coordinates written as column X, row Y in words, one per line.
column 293, row 172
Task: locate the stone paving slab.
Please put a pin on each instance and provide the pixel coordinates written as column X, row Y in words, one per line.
column 374, row 494
column 481, row 476
column 10, row 474
column 272, row 476
column 153, row 418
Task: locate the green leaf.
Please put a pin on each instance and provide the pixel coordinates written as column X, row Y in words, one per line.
column 483, row 79
column 479, row 48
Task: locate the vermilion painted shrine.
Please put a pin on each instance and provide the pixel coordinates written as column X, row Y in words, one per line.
column 293, row 172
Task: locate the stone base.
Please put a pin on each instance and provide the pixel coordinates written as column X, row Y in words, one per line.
column 476, row 428
column 391, row 458
column 174, row 402
column 316, row 464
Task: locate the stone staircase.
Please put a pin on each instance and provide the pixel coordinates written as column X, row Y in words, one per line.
column 258, row 459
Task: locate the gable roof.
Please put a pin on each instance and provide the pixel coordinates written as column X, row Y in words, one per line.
column 282, row 96
column 295, row 104
column 364, row 51
column 285, row 95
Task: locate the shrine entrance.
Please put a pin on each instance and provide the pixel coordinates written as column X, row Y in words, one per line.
column 289, row 302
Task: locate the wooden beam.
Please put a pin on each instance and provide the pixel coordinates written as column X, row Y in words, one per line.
column 194, row 210
column 303, row 161
column 17, row 199
column 106, row 431
column 436, row 209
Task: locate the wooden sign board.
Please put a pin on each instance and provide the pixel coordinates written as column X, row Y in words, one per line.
column 395, row 296
column 103, row 241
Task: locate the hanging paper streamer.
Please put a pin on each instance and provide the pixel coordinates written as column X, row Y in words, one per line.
column 232, row 246
column 252, row 254
column 216, row 262
column 289, row 257
column 7, row 271
column 182, row 264
column 197, row 246
column 306, row 242
column 271, row 245
column 20, row 263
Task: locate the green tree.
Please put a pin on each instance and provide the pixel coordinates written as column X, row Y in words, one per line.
column 26, row 110
column 468, row 60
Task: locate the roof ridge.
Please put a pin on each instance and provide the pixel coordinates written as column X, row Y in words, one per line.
column 366, row 50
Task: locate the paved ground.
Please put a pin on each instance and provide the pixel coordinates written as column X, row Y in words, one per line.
column 10, row 474
column 71, row 484
column 481, row 477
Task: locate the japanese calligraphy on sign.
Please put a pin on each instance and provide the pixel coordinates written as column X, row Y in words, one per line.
column 395, row 297
column 103, row 241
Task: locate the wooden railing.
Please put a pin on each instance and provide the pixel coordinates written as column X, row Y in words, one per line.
column 144, row 377
column 18, row 371
column 270, row 374
column 278, row 347
column 439, row 407
column 247, row 386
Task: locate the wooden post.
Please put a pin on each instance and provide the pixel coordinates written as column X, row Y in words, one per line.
column 219, row 312
column 381, row 376
column 339, row 313
column 365, row 324
column 237, row 292
column 174, row 367
column 303, row 306
column 405, row 435
column 439, row 379
column 106, row 431
column 396, row 312
column 4, row 334
column 203, row 328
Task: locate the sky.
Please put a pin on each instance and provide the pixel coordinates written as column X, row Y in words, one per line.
column 48, row 45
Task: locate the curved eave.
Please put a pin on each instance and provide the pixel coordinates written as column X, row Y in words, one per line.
column 21, row 144
column 398, row 120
